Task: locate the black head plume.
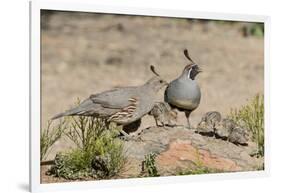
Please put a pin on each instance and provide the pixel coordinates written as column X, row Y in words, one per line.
column 187, row 55
column 152, row 68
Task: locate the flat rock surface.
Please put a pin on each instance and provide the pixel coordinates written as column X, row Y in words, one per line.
column 179, row 149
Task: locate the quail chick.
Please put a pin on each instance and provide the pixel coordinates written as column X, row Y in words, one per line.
column 208, row 123
column 163, row 113
column 184, row 93
column 224, row 128
column 228, row 130
column 239, row 136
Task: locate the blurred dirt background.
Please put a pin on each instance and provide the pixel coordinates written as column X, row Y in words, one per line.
column 85, row 53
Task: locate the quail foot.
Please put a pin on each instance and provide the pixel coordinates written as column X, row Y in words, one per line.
column 184, row 93
column 123, row 105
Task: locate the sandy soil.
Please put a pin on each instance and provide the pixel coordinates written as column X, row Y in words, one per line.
column 85, row 53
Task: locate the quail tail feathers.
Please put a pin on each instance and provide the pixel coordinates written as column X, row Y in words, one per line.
column 82, row 109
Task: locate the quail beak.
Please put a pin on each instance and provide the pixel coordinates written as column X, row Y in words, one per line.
column 199, row 69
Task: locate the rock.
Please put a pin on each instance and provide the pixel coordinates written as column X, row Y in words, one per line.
column 179, row 149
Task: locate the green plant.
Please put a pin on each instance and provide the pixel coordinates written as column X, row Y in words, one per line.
column 98, row 152
column 82, row 131
column 253, row 29
column 49, row 136
column 199, row 167
column 251, row 116
column 148, row 165
column 197, row 170
column 70, row 166
column 257, row 29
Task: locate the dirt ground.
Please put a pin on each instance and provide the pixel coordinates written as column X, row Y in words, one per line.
column 83, row 54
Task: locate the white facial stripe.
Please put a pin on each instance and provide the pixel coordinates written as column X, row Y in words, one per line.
column 188, row 75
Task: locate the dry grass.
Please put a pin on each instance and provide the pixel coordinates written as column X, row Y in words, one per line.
column 251, row 116
column 49, row 136
column 149, row 168
column 98, row 153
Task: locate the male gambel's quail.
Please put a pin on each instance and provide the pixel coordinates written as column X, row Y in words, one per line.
column 122, row 105
column 184, row 93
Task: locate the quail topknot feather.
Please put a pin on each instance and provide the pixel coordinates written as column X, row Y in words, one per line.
column 184, row 93
column 123, row 105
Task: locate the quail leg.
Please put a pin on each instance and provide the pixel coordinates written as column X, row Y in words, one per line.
column 187, row 114
column 156, row 122
column 162, row 124
column 129, row 131
column 171, row 124
column 125, row 136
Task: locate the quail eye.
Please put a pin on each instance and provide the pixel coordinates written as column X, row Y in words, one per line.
column 161, row 81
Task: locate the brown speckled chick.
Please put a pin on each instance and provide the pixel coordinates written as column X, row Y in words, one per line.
column 209, row 122
column 163, row 113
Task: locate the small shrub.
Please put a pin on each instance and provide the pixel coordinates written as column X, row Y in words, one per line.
column 199, row 167
column 198, row 170
column 49, row 136
column 98, row 154
column 69, row 166
column 253, row 29
column 83, row 131
column 148, row 166
column 251, row 116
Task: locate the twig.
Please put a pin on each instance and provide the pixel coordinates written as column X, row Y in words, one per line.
column 47, row 162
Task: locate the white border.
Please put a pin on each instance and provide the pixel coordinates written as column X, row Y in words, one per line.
column 87, row 6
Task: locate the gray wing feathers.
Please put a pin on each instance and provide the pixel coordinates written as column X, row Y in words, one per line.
column 105, row 103
column 114, row 99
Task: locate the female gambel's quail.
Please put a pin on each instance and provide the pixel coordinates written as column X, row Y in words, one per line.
column 123, row 105
column 184, row 93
